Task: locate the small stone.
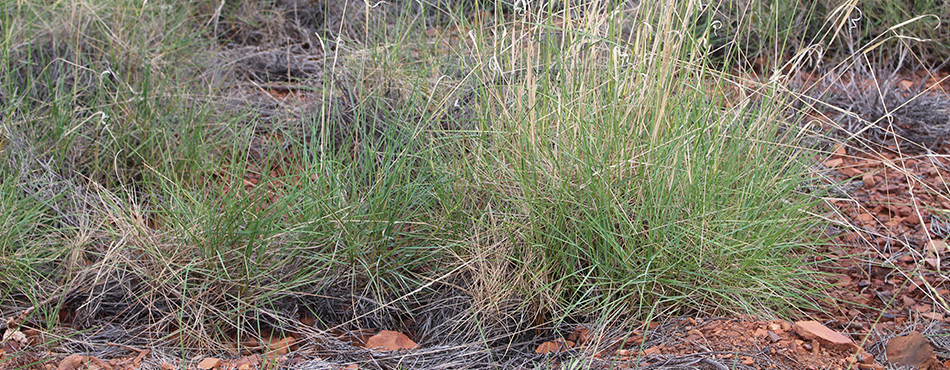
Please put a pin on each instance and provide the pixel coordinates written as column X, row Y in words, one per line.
column 553, row 347
column 390, row 341
column 889, row 188
column 908, row 301
column 72, row 362
column 868, row 180
column 785, row 326
column 850, row 172
column 282, row 347
column 832, row 163
column 904, row 211
column 936, row 246
column 250, row 342
column 33, row 337
column 580, row 335
column 933, row 263
column 635, row 340
column 913, row 219
column 840, row 151
column 247, row 363
column 651, row 350
column 910, row 350
column 810, row 330
column 209, row 363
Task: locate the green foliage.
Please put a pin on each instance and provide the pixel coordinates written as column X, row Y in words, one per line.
column 764, row 35
column 586, row 165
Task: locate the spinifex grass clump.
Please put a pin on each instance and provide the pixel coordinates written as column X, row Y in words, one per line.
column 615, row 170
column 576, row 160
column 139, row 200
column 762, row 34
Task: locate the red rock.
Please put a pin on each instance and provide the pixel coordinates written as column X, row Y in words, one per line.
column 580, row 335
column 936, row 246
column 889, row 188
column 390, row 341
column 906, row 84
column 247, row 363
column 814, row 330
column 209, row 363
column 651, row 351
column 840, row 151
column 913, row 219
column 908, row 301
column 553, row 346
column 33, row 337
column 635, row 340
column 850, row 172
column 932, row 262
column 72, row 362
column 832, row 163
column 282, row 347
column 910, row 350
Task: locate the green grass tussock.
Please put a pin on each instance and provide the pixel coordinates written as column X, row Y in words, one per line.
column 623, row 181
column 763, row 35
column 471, row 170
